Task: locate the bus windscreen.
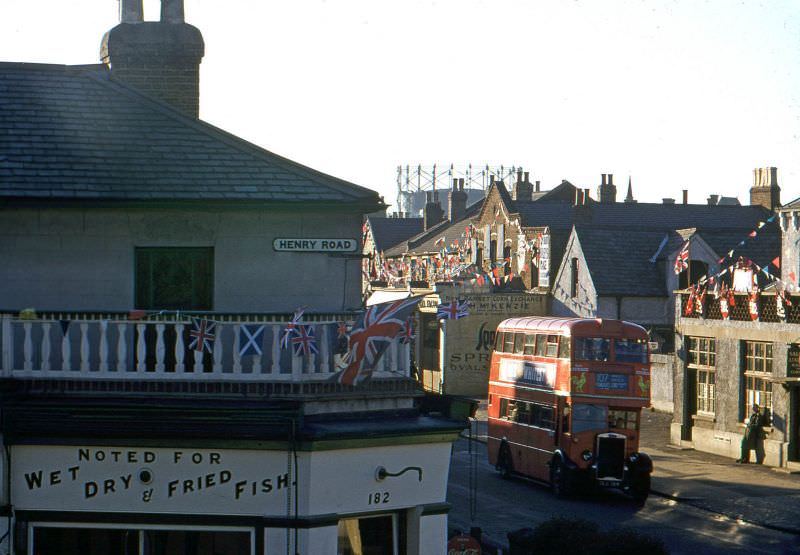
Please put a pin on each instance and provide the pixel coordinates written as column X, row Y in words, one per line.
column 589, row 417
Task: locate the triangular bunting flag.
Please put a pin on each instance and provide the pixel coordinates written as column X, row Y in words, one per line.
column 776, row 261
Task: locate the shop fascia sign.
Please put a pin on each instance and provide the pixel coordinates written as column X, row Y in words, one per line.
column 309, row 244
column 91, row 478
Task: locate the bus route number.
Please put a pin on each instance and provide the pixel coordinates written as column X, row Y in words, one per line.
column 378, row 498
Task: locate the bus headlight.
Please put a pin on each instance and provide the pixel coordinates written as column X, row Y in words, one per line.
column 587, row 455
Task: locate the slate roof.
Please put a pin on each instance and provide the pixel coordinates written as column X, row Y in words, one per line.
column 619, row 261
column 640, row 215
column 388, row 232
column 73, row 133
column 451, row 231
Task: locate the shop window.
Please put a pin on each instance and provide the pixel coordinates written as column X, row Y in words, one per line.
column 372, row 535
column 563, row 347
column 174, row 278
column 54, row 540
column 757, row 374
column 702, row 357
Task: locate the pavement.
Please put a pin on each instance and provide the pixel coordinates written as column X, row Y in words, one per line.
column 749, row 493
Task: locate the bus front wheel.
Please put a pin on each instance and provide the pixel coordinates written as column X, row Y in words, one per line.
column 504, row 464
column 559, row 478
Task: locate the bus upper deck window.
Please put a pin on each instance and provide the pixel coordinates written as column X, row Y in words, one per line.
column 540, row 343
column 519, row 340
column 508, row 342
column 630, row 350
column 563, row 347
column 591, row 348
column 530, row 344
column 552, row 346
column 498, row 341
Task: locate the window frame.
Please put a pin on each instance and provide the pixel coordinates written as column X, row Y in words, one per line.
column 701, row 356
column 758, row 364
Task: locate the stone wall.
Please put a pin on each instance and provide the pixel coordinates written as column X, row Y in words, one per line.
column 662, row 367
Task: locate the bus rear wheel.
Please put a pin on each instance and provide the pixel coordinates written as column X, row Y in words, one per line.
column 559, row 478
column 504, row 464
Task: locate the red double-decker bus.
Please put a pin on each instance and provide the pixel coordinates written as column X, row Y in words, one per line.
column 565, row 399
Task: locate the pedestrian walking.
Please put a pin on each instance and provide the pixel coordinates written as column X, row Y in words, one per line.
column 753, row 437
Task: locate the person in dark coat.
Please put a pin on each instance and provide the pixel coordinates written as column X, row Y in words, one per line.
column 753, row 437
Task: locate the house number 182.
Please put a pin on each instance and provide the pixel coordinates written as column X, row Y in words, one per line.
column 378, row 497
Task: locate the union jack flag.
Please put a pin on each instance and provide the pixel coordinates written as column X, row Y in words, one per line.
column 370, row 336
column 202, row 335
column 452, row 310
column 304, row 343
column 291, row 327
column 682, row 260
column 407, row 333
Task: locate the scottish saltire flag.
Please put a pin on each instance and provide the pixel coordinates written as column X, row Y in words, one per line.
column 304, row 342
column 371, row 335
column 201, row 336
column 453, row 310
column 682, row 260
column 251, row 337
column 291, row 327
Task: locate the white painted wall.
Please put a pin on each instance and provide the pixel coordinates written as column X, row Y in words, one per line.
column 83, row 259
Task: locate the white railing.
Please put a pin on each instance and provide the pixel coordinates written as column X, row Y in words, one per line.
column 117, row 348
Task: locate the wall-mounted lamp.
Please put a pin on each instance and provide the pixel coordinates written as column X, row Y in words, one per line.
column 381, row 473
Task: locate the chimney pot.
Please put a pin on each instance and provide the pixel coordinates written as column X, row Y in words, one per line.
column 130, row 11
column 461, row 184
column 455, row 184
column 668, row 200
column 712, row 200
column 537, row 186
column 686, row 196
column 604, row 179
column 585, row 196
column 527, row 180
column 610, row 179
column 172, row 11
column 519, row 175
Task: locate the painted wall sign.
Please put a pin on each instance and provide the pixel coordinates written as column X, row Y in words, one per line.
column 153, row 480
column 793, row 361
column 314, row 245
column 611, row 381
column 542, row 374
column 544, row 261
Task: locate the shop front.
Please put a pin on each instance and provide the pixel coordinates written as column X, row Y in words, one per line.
column 339, row 488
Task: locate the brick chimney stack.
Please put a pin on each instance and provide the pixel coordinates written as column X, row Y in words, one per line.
column 523, row 188
column 457, row 201
column 765, row 190
column 607, row 191
column 432, row 213
column 159, row 58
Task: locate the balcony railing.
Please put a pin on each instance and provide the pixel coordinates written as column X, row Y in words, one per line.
column 767, row 308
column 112, row 346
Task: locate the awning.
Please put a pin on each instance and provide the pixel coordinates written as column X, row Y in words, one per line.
column 379, row 297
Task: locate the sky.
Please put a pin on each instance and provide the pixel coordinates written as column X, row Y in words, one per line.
column 682, row 94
